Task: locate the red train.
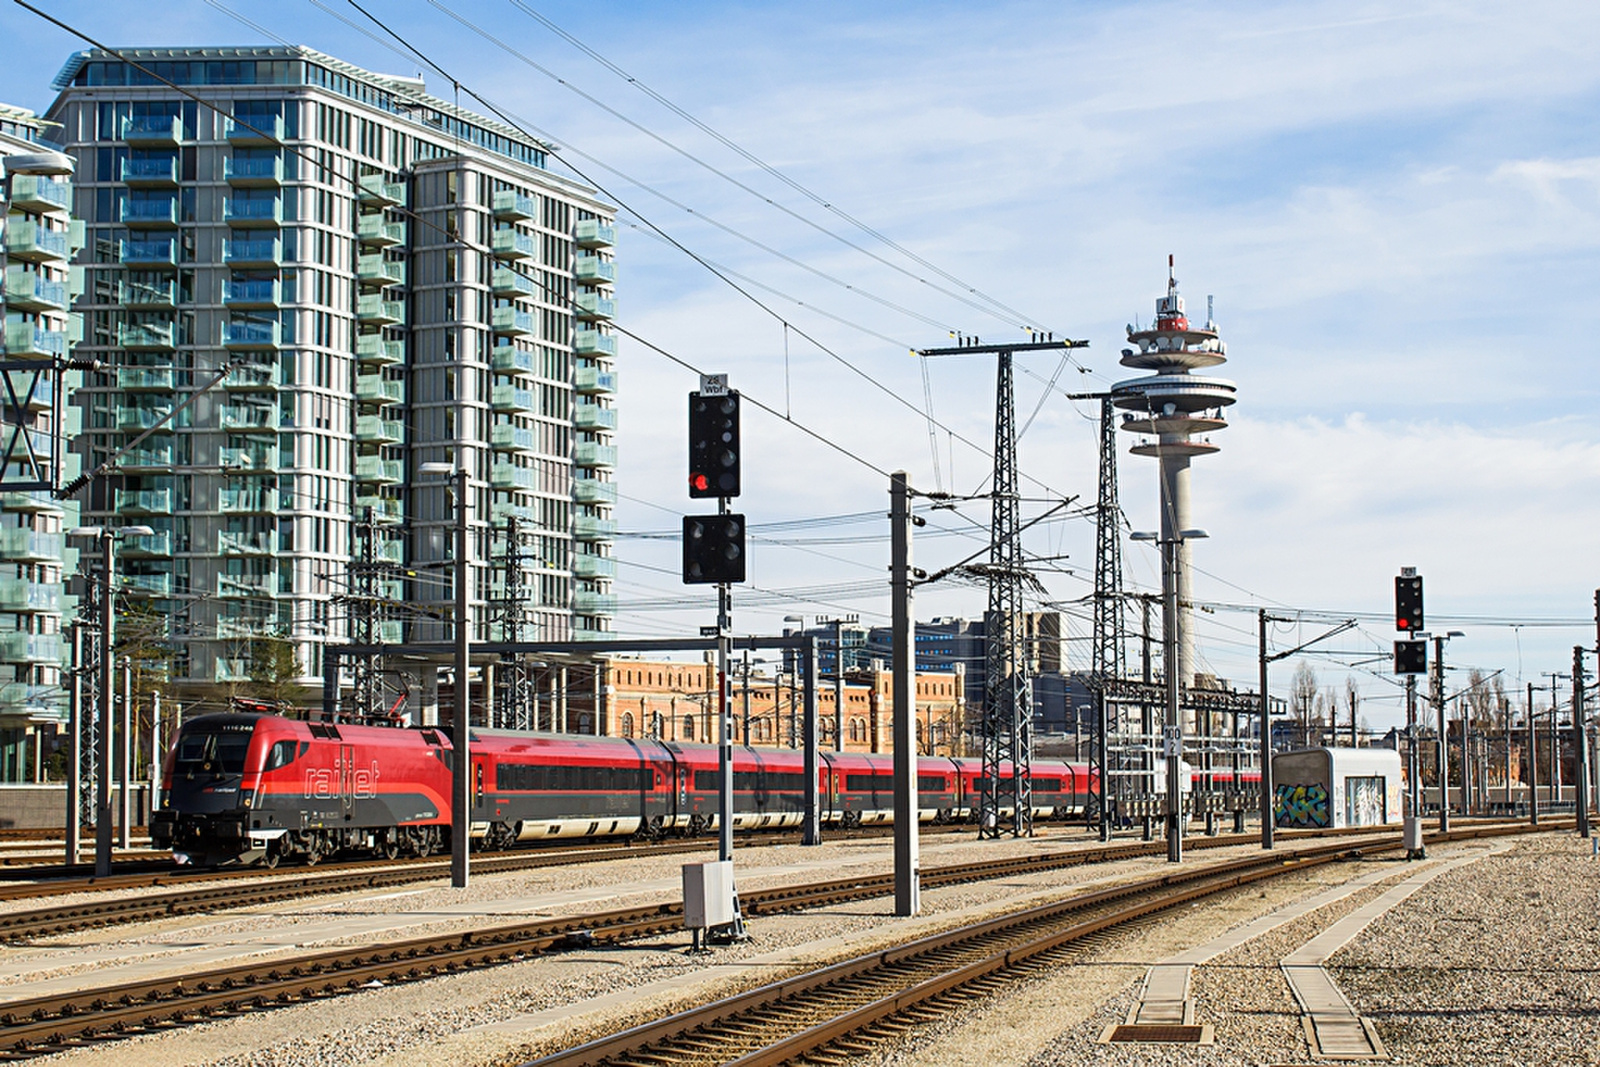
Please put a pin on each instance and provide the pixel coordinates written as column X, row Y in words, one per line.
column 246, row 787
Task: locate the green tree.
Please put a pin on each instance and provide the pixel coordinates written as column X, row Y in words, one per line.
column 274, row 670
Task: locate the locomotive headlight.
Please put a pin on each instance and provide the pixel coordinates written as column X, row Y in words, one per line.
column 246, row 796
column 166, row 799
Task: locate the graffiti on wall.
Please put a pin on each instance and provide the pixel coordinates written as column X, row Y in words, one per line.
column 1301, row 806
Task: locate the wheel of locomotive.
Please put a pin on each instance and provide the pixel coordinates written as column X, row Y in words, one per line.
column 272, row 856
column 698, row 825
column 388, row 847
column 656, row 828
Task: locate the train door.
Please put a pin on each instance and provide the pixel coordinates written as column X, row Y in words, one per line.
column 346, row 773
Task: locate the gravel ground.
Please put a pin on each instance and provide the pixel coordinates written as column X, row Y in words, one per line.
column 1422, row 972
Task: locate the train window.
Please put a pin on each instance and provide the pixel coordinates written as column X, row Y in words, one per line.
column 932, row 783
column 305, row 746
column 868, row 783
column 536, row 778
column 281, row 755
column 751, row 782
column 1047, row 785
column 220, row 752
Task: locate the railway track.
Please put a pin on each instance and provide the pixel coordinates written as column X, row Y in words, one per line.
column 42, row 1025
column 841, row 1012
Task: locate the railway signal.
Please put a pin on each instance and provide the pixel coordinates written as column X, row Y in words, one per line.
column 714, row 443
column 1411, row 657
column 713, row 549
column 1408, row 600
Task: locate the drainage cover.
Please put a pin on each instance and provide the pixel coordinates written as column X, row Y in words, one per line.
column 1157, row 1034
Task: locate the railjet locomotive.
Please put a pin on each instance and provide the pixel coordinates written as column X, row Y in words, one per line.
column 245, row 787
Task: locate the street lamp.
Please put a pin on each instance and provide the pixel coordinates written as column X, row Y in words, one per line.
column 102, row 806
column 1171, row 640
column 461, row 726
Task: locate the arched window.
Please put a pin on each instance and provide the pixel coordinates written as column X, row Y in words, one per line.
column 688, row 727
column 627, row 724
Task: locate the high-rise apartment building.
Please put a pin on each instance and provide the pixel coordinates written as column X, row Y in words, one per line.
column 41, row 238
column 374, row 279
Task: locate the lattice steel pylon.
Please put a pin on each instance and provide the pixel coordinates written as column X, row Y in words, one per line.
column 1007, row 687
column 1109, row 653
column 515, row 680
column 87, row 667
column 366, row 616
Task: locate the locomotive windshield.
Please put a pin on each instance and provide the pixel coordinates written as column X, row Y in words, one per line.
column 212, row 751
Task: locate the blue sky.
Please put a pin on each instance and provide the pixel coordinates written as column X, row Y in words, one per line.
column 1396, row 206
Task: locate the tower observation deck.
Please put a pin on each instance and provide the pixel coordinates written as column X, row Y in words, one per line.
column 1174, row 410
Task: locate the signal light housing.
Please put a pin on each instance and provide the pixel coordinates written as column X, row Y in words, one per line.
column 714, row 445
column 713, row 549
column 1411, row 657
column 1408, row 603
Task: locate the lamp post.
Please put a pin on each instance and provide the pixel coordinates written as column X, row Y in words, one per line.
column 103, row 808
column 1171, row 641
column 461, row 761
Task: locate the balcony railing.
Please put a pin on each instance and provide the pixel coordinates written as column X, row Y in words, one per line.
column 374, row 190
column 145, row 214
column 144, row 501
column 248, row 498
column 592, row 233
column 513, row 244
column 375, row 389
column 29, row 546
column 248, row 417
column 247, row 173
column 264, row 212
column 384, row 509
column 373, row 430
column 256, row 293
column 27, row 341
column 32, row 241
column 373, row 310
column 30, row 291
column 510, row 360
column 381, row 471
column 161, row 293
column 247, row 585
column 508, row 398
column 373, row 230
column 146, row 336
column 30, row 648
column 594, row 417
column 251, row 379
column 263, row 253
column 373, row 270
column 242, row 335
column 156, row 457
column 593, row 343
column 245, row 543
column 142, row 417
column 594, row 491
column 512, row 206
column 150, row 545
column 260, row 457
column 255, row 129
column 157, row 585
column 594, row 566
column 144, row 379
column 510, row 321
column 153, row 129
column 507, row 282
column 37, row 192
column 371, row 348
column 593, row 306
column 592, row 270
column 589, row 528
column 587, row 603
column 153, row 173
column 505, row 438
column 508, row 476
column 590, row 454
column 594, row 381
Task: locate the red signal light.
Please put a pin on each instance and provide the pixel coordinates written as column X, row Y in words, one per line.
column 698, row 482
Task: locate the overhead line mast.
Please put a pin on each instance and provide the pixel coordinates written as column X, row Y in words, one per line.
column 1008, row 686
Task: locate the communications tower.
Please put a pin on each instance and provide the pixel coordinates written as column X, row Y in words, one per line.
column 1168, row 409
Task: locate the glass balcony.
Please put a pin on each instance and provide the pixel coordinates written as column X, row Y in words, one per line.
column 594, row 566
column 149, row 292
column 372, row 270
column 589, row 528
column 24, row 340
column 144, row 501
column 372, row 348
column 144, row 379
column 372, row 430
column 27, row 290
column 507, row 282
column 510, row 360
column 384, row 509
column 157, row 253
column 259, row 456
column 230, row 669
column 30, row 546
column 506, row 438
column 149, row 457
column 146, row 336
column 587, row 603
column 373, row 230
column 38, row 192
column 509, row 476
column 153, row 130
column 30, row 648
column 241, row 543
column 33, row 242
column 512, row 322
column 508, row 398
column 373, row 190
column 511, row 244
column 146, row 546
column 246, row 335
column 595, row 382
column 376, row 389
column 36, row 398
column 592, row 270
column 594, row 417
column 19, row 594
column 511, row 206
column 593, row 343
column 157, row 585
column 594, row 307
column 373, row 310
column 251, row 378
column 594, row 491
column 592, row 233
column 257, row 293
column 255, row 129
column 590, row 454
column 246, row 585
column 266, row 212
column 248, row 417
column 150, row 173
column 253, row 173
column 500, row 510
column 150, row 214
column 142, row 417
column 263, row 253
column 248, row 498
column 31, row 500
column 381, row 471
